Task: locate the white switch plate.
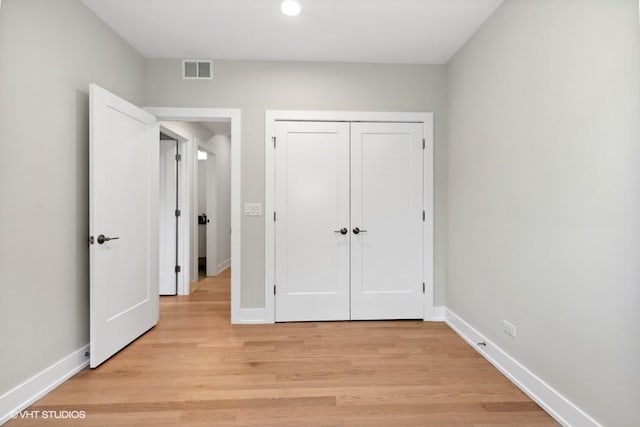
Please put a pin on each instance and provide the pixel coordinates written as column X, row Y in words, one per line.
column 253, row 209
column 509, row 328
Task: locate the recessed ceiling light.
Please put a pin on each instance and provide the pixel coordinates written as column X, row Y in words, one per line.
column 290, row 7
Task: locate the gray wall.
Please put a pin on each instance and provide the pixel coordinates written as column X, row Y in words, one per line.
column 220, row 145
column 544, row 194
column 50, row 50
column 257, row 86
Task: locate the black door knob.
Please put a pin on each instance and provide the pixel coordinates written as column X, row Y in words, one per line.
column 358, row 231
column 102, row 239
column 342, row 231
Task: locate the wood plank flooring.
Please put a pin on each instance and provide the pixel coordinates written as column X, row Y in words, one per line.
column 196, row 369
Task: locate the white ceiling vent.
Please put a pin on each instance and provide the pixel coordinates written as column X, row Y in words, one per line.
column 196, row 69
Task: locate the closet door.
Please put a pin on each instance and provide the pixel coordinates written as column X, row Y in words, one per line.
column 312, row 221
column 386, row 221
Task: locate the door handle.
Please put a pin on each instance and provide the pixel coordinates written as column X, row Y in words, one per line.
column 342, row 231
column 358, row 231
column 102, row 239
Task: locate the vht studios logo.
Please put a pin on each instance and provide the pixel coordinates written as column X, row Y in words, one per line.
column 51, row 415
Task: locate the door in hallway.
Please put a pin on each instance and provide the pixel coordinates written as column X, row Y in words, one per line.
column 168, row 202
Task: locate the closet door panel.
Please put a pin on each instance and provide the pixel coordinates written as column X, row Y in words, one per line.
column 312, row 205
column 386, row 206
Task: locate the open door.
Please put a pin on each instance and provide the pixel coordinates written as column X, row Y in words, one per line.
column 212, row 216
column 123, row 209
column 168, row 237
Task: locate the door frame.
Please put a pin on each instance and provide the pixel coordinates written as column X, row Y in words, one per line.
column 274, row 116
column 213, row 114
column 183, row 191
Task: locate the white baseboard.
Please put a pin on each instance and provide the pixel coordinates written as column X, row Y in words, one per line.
column 558, row 406
column 438, row 314
column 223, row 266
column 23, row 395
column 251, row 316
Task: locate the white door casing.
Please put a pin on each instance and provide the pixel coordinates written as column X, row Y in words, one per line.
column 312, row 205
column 123, row 203
column 167, row 201
column 423, row 120
column 387, row 206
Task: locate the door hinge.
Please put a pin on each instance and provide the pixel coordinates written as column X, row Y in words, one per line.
column 178, row 212
column 274, row 289
column 424, row 216
column 178, row 157
column 274, row 216
column 424, row 143
column 273, row 138
column 178, row 269
column 423, row 287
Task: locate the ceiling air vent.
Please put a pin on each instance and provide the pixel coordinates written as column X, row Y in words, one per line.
column 195, row 69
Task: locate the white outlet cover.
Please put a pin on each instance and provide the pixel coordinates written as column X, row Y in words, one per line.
column 509, row 328
column 253, row 209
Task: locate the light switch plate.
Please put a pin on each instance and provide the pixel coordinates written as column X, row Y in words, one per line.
column 253, row 209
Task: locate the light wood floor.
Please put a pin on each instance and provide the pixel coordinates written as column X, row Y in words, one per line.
column 195, row 369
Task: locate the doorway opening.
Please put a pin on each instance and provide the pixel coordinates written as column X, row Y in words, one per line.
column 214, row 199
column 206, row 161
column 194, row 203
column 176, row 120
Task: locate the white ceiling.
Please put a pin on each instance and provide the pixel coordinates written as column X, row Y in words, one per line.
column 384, row 31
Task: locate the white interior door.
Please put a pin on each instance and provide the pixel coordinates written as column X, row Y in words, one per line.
column 168, row 226
column 312, row 205
column 212, row 216
column 387, row 208
column 124, row 179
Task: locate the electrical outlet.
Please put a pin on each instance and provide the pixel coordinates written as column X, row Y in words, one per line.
column 509, row 328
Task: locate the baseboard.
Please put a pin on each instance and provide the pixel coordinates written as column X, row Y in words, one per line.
column 554, row 403
column 223, row 266
column 558, row 406
column 251, row 316
column 23, row 395
column 437, row 314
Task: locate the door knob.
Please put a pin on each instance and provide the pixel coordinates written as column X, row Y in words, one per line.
column 342, row 231
column 358, row 231
column 102, row 239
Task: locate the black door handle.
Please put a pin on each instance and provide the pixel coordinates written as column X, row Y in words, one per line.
column 342, row 231
column 358, row 231
column 102, row 239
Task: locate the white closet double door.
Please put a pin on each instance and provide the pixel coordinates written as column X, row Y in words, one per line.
column 350, row 221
